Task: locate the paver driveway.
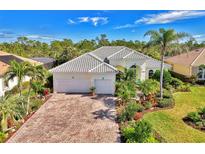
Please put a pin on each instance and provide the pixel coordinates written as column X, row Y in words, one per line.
column 71, row 118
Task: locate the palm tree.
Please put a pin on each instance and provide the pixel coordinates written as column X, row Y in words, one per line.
column 36, row 73
column 19, row 70
column 8, row 110
column 164, row 39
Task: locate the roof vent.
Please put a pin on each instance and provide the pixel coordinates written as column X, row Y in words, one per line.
column 106, row 60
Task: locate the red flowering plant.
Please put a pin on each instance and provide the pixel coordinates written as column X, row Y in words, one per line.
column 46, row 91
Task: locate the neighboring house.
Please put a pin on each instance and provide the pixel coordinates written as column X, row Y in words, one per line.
column 48, row 63
column 5, row 59
column 188, row 63
column 98, row 69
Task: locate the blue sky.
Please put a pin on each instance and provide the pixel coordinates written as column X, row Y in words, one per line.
column 130, row 25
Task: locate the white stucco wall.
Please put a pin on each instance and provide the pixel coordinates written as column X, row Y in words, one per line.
column 11, row 84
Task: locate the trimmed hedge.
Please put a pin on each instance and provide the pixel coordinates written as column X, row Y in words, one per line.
column 183, row 77
column 166, row 102
column 147, row 105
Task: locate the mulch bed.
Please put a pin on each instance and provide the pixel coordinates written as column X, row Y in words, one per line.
column 153, row 109
column 190, row 123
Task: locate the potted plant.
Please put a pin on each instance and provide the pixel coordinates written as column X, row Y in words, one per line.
column 92, row 90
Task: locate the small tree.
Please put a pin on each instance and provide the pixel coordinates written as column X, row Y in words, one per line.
column 167, row 78
column 125, row 90
column 18, row 70
column 127, row 74
column 8, row 110
column 36, row 73
column 149, row 87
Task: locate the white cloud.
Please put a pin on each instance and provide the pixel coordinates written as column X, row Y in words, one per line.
column 93, row 20
column 168, row 17
column 70, row 22
column 133, row 31
column 199, row 37
column 163, row 18
column 125, row 26
column 99, row 20
column 83, row 19
column 39, row 37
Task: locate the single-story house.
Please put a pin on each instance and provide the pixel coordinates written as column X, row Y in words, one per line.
column 47, row 62
column 188, row 63
column 98, row 69
column 5, row 59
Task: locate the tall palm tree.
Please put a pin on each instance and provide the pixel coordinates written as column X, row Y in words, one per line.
column 164, row 39
column 19, row 70
column 36, row 73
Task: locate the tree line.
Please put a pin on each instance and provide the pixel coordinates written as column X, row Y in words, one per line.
column 66, row 49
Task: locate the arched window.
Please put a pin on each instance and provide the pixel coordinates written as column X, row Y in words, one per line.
column 151, row 73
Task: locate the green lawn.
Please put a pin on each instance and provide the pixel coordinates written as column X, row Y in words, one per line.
column 169, row 124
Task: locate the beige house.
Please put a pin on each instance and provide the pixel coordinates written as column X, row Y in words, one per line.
column 188, row 63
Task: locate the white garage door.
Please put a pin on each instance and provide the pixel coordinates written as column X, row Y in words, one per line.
column 72, row 86
column 104, row 86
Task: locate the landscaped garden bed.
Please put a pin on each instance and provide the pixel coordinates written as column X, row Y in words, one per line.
column 21, row 102
column 27, row 117
column 196, row 119
column 131, row 112
column 169, row 123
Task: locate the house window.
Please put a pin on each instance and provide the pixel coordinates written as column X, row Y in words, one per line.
column 201, row 73
column 133, row 66
column 151, row 73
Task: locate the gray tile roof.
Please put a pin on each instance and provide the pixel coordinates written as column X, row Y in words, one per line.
column 119, row 55
column 94, row 61
column 118, row 52
column 106, row 51
column 85, row 63
column 153, row 63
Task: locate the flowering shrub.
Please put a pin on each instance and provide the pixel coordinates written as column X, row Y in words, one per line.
column 46, row 92
column 138, row 115
column 129, row 111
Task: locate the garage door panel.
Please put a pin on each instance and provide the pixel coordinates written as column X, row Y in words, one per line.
column 104, row 86
column 72, row 86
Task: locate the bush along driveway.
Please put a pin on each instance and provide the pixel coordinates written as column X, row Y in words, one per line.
column 71, row 118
